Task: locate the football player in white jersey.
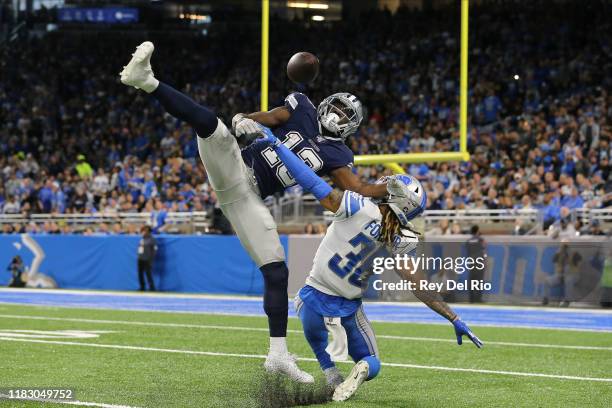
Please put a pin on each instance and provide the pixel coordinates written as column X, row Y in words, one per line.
column 331, row 299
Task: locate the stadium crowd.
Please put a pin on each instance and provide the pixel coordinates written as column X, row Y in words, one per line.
column 74, row 140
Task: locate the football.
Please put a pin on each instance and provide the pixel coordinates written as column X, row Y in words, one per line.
column 303, row 67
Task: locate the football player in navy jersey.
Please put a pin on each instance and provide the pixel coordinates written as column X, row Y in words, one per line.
column 316, row 135
column 298, row 124
column 241, row 179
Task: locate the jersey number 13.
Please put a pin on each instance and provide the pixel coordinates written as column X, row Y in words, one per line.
column 307, row 154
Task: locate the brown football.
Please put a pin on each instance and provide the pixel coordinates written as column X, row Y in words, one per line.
column 303, row 67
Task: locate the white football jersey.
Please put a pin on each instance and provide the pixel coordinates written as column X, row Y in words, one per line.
column 351, row 239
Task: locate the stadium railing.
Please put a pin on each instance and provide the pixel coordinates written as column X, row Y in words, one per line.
column 300, row 210
column 179, row 222
column 297, row 211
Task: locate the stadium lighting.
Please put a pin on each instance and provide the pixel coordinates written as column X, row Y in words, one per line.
column 318, row 18
column 196, row 18
column 319, row 6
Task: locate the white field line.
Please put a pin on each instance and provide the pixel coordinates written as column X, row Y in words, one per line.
column 437, row 323
column 260, row 329
column 165, row 295
column 259, row 356
column 67, row 402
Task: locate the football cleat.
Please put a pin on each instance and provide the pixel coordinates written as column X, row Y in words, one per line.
column 138, row 72
column 285, row 364
column 357, row 376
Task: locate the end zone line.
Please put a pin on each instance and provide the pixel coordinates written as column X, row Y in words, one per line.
column 261, row 329
column 67, row 402
column 259, row 356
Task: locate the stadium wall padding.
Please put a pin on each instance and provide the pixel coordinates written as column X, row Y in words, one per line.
column 207, row 263
column 517, row 266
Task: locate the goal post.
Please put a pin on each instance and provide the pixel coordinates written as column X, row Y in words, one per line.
column 265, row 39
column 392, row 161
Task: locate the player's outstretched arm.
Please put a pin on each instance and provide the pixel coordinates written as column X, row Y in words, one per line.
column 328, row 197
column 345, row 179
column 248, row 124
column 272, row 118
column 434, row 301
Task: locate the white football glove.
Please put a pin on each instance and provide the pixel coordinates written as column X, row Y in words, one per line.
column 241, row 125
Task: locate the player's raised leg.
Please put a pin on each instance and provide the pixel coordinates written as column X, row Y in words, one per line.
column 139, row 74
column 237, row 198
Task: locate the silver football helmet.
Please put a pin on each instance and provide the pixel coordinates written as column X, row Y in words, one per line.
column 341, row 114
column 407, row 197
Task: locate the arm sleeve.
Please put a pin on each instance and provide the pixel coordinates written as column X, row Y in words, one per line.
column 303, row 174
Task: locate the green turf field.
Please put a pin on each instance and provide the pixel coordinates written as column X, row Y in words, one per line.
column 150, row 359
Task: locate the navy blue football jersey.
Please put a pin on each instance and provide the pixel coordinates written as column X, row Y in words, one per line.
column 300, row 134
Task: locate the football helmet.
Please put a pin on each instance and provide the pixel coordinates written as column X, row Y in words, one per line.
column 340, row 114
column 407, row 197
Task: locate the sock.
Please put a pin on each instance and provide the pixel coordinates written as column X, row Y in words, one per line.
column 333, row 376
column 374, row 364
column 150, row 85
column 276, row 300
column 278, row 345
column 182, row 107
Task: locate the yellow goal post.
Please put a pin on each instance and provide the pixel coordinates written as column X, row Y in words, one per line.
column 392, row 161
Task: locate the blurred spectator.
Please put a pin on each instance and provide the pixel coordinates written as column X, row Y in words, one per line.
column 595, row 228
column 566, row 274
column 441, row 229
column 17, row 270
column 456, row 229
column 83, row 168
column 147, row 248
column 476, row 248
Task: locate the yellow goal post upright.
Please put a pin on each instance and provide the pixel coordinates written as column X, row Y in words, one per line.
column 265, row 45
column 392, row 161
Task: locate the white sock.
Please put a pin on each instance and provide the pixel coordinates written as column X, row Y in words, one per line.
column 278, row 345
column 150, row 84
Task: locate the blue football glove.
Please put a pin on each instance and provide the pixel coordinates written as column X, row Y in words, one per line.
column 462, row 329
column 267, row 137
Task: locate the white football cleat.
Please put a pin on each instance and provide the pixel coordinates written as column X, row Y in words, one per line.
column 285, row 364
column 138, row 72
column 357, row 376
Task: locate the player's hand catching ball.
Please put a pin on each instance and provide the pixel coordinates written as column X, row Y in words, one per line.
column 461, row 329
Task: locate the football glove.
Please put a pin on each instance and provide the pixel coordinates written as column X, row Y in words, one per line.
column 243, row 126
column 266, row 136
column 462, row 329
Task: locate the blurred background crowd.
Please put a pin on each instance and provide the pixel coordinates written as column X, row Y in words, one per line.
column 74, row 140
